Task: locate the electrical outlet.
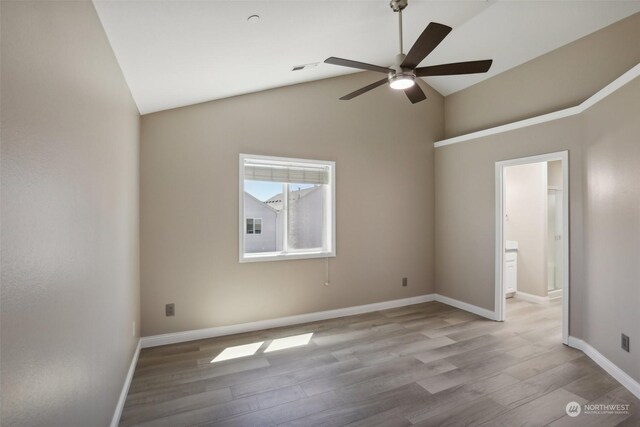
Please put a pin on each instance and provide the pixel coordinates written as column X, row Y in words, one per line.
column 404, row 281
column 625, row 343
column 170, row 310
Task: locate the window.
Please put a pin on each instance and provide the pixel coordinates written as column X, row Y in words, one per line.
column 287, row 208
column 254, row 225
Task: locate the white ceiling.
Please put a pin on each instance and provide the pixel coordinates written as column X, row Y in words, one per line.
column 178, row 52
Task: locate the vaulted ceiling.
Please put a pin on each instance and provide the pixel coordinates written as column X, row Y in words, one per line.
column 176, row 53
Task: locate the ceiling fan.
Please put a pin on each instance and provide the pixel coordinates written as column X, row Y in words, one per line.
column 402, row 75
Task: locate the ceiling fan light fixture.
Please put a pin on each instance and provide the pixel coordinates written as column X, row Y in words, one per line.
column 402, row 81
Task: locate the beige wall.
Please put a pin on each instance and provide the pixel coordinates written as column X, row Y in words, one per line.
column 604, row 165
column 465, row 204
column 562, row 78
column 70, row 289
column 382, row 146
column 611, row 203
column 525, row 206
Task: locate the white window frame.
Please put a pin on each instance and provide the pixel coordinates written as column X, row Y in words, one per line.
column 329, row 251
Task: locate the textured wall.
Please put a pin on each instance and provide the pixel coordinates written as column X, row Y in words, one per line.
column 611, row 204
column 70, row 272
column 382, row 146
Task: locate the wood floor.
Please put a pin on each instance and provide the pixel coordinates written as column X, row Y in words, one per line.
column 427, row 364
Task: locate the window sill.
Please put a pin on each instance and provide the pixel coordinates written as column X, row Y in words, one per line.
column 283, row 257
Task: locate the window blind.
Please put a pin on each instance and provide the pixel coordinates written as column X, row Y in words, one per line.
column 286, row 173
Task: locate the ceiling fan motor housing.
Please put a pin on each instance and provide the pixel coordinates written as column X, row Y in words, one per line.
column 400, row 71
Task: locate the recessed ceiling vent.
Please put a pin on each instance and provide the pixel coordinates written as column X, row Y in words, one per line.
column 304, row 66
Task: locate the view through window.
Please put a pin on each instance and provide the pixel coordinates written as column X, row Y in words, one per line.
column 287, row 208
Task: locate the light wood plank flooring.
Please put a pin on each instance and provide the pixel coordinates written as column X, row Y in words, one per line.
column 427, row 364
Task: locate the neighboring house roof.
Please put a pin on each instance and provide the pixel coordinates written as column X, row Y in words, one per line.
column 275, row 202
column 260, row 201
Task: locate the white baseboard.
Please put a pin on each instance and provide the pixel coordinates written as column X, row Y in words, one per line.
column 622, row 377
column 125, row 388
column 466, row 307
column 531, row 298
column 219, row 331
column 198, row 334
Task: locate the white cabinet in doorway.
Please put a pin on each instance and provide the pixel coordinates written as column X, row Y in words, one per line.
column 510, row 268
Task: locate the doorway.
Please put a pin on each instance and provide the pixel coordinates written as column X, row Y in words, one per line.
column 532, row 219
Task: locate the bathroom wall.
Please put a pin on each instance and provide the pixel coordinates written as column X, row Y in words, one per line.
column 525, row 221
column 554, row 174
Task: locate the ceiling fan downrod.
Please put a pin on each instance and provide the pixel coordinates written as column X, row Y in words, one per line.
column 398, row 6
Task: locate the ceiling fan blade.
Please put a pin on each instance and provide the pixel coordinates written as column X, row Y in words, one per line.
column 415, row 94
column 358, row 65
column 470, row 67
column 428, row 40
column 364, row 89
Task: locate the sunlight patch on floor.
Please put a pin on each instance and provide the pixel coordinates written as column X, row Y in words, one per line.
column 289, row 342
column 238, row 351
